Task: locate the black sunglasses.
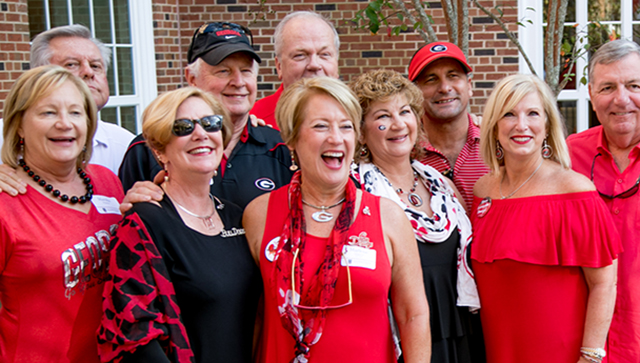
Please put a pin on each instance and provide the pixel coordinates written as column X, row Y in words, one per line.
column 626, row 194
column 215, row 27
column 184, row 126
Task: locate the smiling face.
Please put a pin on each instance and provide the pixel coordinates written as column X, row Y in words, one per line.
column 522, row 130
column 82, row 58
column 326, row 142
column 233, row 81
column 446, row 89
column 390, row 129
column 615, row 96
column 201, row 151
column 55, row 129
column 308, row 50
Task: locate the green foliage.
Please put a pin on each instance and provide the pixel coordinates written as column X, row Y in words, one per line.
column 380, row 13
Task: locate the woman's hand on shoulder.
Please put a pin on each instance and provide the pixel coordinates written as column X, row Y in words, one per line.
column 254, row 220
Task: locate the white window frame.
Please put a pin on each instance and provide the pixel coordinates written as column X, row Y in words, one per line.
column 532, row 39
column 143, row 54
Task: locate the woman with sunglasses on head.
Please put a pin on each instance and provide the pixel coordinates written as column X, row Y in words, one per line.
column 184, row 286
column 331, row 255
column 544, row 250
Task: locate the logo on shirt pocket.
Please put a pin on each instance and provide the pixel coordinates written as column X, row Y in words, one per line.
column 265, row 184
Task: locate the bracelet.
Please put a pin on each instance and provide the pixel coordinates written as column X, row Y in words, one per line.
column 590, row 359
column 593, row 354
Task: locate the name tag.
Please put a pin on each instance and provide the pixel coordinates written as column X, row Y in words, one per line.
column 106, row 205
column 356, row 256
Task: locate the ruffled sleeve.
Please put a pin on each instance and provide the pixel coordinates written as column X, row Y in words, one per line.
column 572, row 229
column 139, row 302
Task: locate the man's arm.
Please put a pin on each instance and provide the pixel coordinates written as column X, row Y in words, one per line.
column 10, row 182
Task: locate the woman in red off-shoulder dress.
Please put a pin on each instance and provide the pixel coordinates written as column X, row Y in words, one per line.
column 545, row 248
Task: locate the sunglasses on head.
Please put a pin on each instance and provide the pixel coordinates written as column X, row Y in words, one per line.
column 215, row 27
column 185, row 126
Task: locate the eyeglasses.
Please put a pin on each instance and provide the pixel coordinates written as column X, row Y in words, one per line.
column 293, row 287
column 184, row 126
column 626, row 194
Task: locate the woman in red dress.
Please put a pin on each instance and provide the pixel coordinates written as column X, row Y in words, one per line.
column 330, row 255
column 545, row 248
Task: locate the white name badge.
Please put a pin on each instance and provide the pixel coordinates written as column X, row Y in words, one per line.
column 106, row 205
column 356, row 256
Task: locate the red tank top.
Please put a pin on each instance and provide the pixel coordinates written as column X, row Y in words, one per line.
column 359, row 332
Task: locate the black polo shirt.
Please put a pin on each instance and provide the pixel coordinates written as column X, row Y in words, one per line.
column 258, row 164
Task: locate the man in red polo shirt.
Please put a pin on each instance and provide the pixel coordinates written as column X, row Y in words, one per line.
column 610, row 155
column 306, row 45
column 441, row 71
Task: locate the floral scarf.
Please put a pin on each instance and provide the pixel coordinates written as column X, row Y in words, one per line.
column 448, row 214
column 306, row 325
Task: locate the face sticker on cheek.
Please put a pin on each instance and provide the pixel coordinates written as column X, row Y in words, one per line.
column 382, row 127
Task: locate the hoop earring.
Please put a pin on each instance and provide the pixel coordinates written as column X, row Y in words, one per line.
column 547, row 150
column 364, row 152
column 293, row 166
column 499, row 151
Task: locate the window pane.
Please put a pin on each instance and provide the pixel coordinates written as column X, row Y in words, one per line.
column 125, row 71
column 102, row 20
column 80, row 11
column 568, row 111
column 58, row 12
column 601, row 33
column 604, row 10
column 636, row 10
column 128, row 118
column 636, row 33
column 121, row 14
column 109, row 115
column 37, row 20
column 111, row 76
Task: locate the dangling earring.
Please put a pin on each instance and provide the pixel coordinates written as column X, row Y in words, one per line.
column 21, row 143
column 84, row 154
column 364, row 152
column 215, row 173
column 293, row 166
column 547, row 151
column 499, row 151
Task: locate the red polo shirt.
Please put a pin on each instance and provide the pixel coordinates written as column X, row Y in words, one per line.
column 265, row 108
column 624, row 335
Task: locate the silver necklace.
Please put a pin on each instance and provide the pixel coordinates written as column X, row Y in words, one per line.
column 412, row 197
column 206, row 220
column 521, row 185
column 323, row 216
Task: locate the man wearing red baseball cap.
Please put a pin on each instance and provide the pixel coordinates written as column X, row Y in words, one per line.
column 441, row 71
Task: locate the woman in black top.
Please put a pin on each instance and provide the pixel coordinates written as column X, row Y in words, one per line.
column 184, row 286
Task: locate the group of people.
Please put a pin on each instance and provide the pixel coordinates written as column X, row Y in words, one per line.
column 376, row 221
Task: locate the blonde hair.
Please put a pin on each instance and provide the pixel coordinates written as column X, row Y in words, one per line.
column 159, row 116
column 292, row 104
column 29, row 89
column 507, row 94
column 382, row 85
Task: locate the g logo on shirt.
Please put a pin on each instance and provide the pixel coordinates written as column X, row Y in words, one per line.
column 265, row 184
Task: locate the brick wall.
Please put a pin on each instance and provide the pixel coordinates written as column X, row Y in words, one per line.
column 14, row 44
column 491, row 54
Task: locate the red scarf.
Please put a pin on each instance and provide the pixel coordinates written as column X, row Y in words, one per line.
column 305, row 325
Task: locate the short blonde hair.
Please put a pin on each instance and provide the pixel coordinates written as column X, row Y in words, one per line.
column 507, row 94
column 159, row 116
column 382, row 85
column 292, row 105
column 29, row 89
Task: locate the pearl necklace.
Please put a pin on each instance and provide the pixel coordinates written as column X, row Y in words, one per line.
column 521, row 185
column 323, row 216
column 55, row 192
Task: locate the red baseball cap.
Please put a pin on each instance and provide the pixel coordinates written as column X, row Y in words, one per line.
column 433, row 51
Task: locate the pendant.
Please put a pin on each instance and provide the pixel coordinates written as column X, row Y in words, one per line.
column 208, row 222
column 414, row 199
column 322, row 216
column 483, row 207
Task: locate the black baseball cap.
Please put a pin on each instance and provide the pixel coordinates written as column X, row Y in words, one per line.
column 213, row 42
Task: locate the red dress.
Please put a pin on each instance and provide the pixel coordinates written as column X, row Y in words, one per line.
column 527, row 256
column 359, row 332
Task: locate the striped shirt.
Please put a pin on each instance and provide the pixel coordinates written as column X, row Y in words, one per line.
column 469, row 165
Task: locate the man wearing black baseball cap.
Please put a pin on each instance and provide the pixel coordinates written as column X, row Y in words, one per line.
column 442, row 73
column 223, row 62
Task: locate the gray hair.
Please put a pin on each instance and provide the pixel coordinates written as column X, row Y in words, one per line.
column 41, row 53
column 612, row 51
column 194, row 68
column 277, row 35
